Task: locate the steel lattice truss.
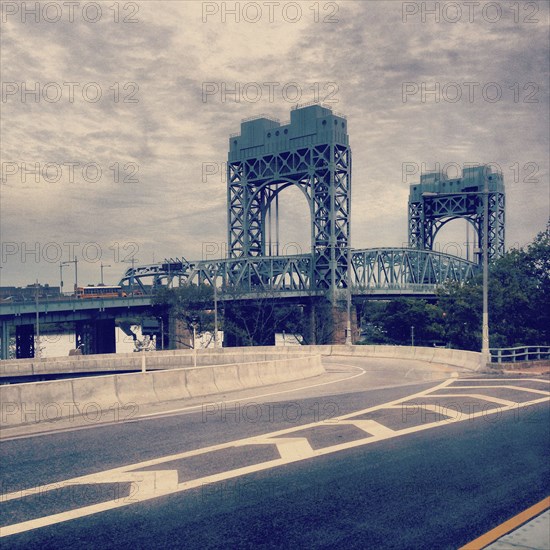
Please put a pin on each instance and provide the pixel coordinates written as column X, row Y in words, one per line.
column 430, row 211
column 323, row 173
column 386, row 270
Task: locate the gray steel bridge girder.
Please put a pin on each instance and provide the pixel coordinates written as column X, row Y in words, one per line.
column 373, row 271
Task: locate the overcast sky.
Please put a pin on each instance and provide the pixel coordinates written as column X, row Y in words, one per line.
column 155, row 127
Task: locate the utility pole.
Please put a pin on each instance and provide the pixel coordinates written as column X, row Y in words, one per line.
column 485, row 353
column 61, row 266
column 348, row 299
column 194, row 345
column 75, row 262
column 215, row 315
column 37, row 350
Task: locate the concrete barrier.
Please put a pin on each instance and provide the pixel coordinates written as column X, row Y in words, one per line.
column 226, row 378
column 44, row 401
column 170, row 385
column 153, row 360
column 11, row 407
column 99, row 389
column 249, row 375
column 135, row 388
column 36, row 401
column 268, row 373
column 200, row 381
column 469, row 360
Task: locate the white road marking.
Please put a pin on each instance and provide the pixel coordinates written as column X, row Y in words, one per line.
column 481, row 396
column 372, row 427
column 506, row 379
column 520, row 388
column 291, row 449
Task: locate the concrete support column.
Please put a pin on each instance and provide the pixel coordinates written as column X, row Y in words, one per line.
column 5, row 335
column 326, row 322
column 179, row 335
column 96, row 336
column 85, row 337
column 105, row 336
column 163, row 336
column 310, row 321
column 24, row 341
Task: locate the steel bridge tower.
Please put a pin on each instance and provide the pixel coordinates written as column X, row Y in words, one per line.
column 311, row 152
column 437, row 200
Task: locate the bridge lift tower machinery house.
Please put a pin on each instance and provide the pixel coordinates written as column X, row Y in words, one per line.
column 311, row 152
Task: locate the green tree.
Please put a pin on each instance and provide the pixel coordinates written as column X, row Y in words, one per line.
column 519, row 301
column 189, row 304
column 403, row 313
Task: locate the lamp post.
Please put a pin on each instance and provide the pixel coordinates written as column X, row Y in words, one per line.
column 215, row 315
column 193, row 321
column 61, row 266
column 485, row 353
column 101, row 266
column 348, row 299
column 37, row 350
column 75, row 262
column 161, row 332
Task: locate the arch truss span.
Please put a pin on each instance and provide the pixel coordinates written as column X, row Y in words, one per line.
column 385, row 270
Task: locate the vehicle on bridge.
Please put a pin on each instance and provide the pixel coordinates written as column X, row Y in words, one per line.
column 100, row 291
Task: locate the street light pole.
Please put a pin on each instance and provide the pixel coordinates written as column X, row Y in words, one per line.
column 37, row 350
column 348, row 299
column 194, row 346
column 75, row 262
column 215, row 315
column 61, row 266
column 485, row 353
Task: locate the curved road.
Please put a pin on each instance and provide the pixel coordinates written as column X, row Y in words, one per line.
column 374, row 454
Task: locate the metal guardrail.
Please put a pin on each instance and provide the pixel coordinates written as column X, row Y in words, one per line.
column 522, row 353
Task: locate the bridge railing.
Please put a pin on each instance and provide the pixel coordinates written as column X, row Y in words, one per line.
column 522, row 353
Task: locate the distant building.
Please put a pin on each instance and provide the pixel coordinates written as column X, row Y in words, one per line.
column 28, row 293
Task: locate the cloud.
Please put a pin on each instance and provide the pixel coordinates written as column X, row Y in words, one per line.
column 153, row 129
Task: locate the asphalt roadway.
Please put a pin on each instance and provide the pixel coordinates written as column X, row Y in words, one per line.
column 375, row 454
